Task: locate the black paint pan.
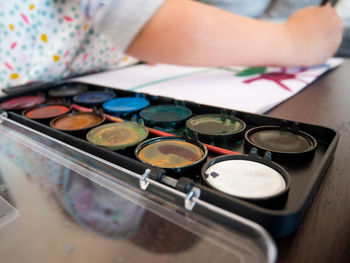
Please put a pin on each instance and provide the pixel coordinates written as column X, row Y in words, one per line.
column 286, row 144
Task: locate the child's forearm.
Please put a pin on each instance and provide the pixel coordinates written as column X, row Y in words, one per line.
column 190, row 33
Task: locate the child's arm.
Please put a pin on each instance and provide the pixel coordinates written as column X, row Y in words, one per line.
column 190, row 33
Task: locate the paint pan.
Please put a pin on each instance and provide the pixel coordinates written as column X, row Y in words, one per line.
column 165, row 117
column 77, row 122
column 67, row 90
column 286, row 144
column 248, row 177
column 117, row 136
column 216, row 128
column 93, row 98
column 22, row 103
column 46, row 112
column 125, row 107
column 175, row 154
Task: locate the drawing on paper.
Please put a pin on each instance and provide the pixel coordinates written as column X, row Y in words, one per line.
column 276, row 77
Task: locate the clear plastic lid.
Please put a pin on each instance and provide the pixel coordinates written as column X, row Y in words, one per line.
column 61, row 204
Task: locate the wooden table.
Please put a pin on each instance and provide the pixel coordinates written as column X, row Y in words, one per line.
column 324, row 233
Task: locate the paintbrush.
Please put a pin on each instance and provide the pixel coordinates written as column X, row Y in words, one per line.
column 155, row 132
column 324, row 2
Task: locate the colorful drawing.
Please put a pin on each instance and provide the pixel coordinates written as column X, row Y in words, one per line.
column 276, row 77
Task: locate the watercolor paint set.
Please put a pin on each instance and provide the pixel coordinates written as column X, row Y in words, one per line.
column 261, row 168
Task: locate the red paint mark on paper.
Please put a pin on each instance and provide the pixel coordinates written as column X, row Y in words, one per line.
column 278, row 77
column 112, row 49
column 25, row 18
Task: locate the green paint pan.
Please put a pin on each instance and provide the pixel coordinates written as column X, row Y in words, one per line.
column 118, row 136
column 216, row 128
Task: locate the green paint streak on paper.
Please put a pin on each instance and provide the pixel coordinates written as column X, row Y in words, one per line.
column 168, row 79
column 251, row 71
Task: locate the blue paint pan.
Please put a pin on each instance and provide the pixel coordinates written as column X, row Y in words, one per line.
column 125, row 107
column 93, row 98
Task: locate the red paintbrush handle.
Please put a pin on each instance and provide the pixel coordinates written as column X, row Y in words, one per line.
column 210, row 147
column 157, row 132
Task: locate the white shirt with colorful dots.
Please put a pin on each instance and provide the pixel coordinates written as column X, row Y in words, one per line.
column 48, row 40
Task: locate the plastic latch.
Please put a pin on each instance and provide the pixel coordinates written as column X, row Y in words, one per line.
column 3, row 116
column 268, row 156
column 194, row 193
column 295, row 127
column 191, row 137
column 253, row 151
column 144, row 179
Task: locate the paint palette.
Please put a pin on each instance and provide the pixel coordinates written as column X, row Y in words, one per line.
column 271, row 180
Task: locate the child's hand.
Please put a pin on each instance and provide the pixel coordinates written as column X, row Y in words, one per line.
column 315, row 32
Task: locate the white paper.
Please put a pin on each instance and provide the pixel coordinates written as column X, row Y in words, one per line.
column 214, row 86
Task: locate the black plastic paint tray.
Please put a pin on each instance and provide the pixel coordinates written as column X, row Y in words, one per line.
column 280, row 221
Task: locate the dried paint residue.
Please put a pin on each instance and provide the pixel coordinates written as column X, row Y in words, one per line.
column 171, row 154
column 214, row 125
column 22, row 103
column 47, row 111
column 77, row 122
column 115, row 135
column 280, row 141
